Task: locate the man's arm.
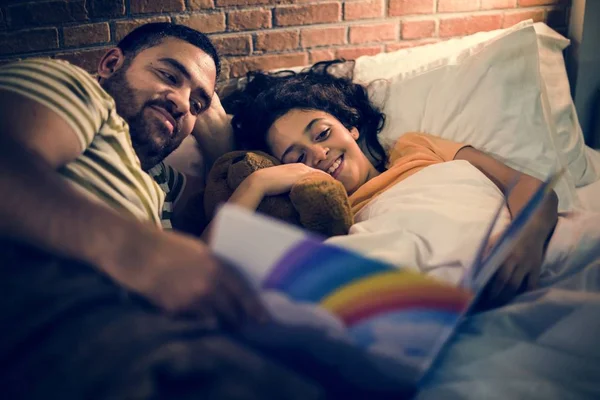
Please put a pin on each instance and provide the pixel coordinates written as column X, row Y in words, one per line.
column 39, row 207
column 214, row 133
column 174, row 272
column 188, row 212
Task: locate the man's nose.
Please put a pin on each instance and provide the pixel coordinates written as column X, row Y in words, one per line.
column 180, row 101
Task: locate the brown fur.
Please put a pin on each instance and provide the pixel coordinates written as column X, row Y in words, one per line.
column 317, row 203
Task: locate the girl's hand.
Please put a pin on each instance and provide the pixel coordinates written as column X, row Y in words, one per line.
column 265, row 182
column 280, row 179
column 521, row 270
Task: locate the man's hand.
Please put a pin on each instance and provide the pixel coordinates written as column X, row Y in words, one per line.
column 214, row 132
column 182, row 277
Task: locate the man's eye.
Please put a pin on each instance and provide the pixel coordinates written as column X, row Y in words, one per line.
column 301, row 158
column 323, row 135
column 196, row 107
column 169, row 77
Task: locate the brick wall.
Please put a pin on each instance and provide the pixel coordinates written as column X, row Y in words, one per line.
column 262, row 34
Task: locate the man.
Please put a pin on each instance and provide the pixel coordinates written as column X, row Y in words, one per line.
column 79, row 205
column 76, row 187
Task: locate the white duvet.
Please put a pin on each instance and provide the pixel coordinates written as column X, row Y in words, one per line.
column 546, row 343
column 433, row 221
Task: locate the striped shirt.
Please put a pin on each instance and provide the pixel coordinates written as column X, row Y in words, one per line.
column 107, row 168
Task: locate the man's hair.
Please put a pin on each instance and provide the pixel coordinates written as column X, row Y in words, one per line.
column 152, row 34
column 267, row 97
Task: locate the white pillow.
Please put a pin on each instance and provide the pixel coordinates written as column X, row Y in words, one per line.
column 570, row 140
column 567, row 134
column 490, row 96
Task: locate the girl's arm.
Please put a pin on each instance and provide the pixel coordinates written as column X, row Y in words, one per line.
column 265, row 182
column 521, row 270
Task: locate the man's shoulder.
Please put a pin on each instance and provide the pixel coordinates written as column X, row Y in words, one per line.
column 47, row 64
column 58, row 72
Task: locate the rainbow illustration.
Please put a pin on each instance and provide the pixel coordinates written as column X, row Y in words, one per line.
column 369, row 296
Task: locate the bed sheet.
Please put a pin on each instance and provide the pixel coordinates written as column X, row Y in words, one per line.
column 544, row 344
column 589, row 195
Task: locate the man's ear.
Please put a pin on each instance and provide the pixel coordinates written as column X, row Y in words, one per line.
column 111, row 62
column 354, row 133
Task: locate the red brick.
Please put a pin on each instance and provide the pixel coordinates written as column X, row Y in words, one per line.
column 207, row 23
column 321, row 55
column 82, row 35
column 408, row 7
column 460, row 26
column 239, row 67
column 408, row 44
column 225, row 68
column 228, row 3
column 313, row 37
column 497, row 4
column 363, row 10
column 248, row 19
column 457, row 5
column 373, row 33
column 27, row 41
column 277, row 41
column 529, row 3
column 87, row 59
column 196, row 5
column 352, row 53
column 233, row 45
column 39, row 14
column 154, row 6
column 307, row 14
column 557, row 18
column 418, row 29
column 122, row 28
column 106, row 8
column 512, row 18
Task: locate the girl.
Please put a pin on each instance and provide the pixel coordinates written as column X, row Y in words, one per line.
column 313, row 120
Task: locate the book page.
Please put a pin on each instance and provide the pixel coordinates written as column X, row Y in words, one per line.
column 390, row 312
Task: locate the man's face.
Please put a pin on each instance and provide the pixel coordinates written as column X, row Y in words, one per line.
column 160, row 93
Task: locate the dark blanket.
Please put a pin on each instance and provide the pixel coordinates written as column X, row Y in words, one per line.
column 68, row 332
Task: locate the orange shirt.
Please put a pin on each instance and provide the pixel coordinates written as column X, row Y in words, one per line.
column 412, row 153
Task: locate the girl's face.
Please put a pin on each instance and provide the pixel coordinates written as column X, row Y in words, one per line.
column 319, row 140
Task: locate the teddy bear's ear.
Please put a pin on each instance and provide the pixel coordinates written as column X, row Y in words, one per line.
column 243, row 165
column 239, row 158
column 260, row 160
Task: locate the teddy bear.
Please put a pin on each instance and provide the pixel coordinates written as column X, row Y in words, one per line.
column 317, row 203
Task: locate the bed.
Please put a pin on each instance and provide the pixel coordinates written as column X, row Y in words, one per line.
column 507, row 93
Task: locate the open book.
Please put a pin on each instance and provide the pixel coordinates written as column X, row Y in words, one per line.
column 391, row 312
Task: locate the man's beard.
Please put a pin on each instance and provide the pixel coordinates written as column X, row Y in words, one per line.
column 151, row 140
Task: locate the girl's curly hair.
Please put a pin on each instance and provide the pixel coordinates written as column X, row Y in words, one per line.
column 268, row 96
